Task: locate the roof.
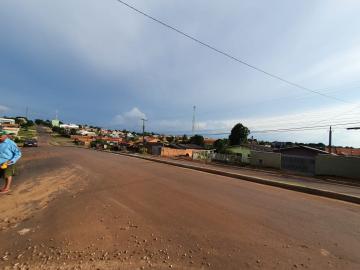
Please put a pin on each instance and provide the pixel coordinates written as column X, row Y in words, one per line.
column 186, row 146
column 346, row 151
column 255, row 147
column 209, row 140
column 311, row 149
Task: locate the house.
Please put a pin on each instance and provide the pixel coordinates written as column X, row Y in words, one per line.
column 86, row 133
column 116, row 134
column 301, row 151
column 299, row 158
column 130, row 135
column 177, row 150
column 7, row 121
column 11, row 129
column 55, row 123
column 344, row 151
column 240, row 150
column 154, row 148
column 82, row 140
column 152, row 140
column 209, row 141
column 187, row 146
column 69, row 126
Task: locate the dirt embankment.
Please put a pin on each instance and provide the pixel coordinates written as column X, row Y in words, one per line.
column 35, row 194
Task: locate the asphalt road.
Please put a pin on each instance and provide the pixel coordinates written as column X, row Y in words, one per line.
column 81, row 209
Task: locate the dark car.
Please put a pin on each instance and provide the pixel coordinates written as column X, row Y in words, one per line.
column 30, row 143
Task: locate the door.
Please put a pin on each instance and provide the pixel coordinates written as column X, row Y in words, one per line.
column 300, row 164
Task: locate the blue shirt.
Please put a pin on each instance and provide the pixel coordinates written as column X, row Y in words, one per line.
column 9, row 152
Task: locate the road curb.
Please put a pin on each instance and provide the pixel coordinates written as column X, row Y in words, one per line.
column 258, row 180
column 308, row 190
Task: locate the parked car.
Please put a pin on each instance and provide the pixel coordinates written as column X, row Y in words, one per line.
column 30, row 143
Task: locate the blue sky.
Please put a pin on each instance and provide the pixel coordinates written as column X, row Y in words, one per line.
column 100, row 63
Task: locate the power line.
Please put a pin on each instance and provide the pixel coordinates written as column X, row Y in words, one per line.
column 228, row 55
column 337, row 116
column 306, row 128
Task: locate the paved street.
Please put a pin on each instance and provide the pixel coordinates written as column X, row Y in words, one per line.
column 91, row 210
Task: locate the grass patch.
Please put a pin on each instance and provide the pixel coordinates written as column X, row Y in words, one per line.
column 27, row 133
column 57, row 139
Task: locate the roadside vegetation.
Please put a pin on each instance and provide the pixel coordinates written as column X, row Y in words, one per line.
column 27, row 130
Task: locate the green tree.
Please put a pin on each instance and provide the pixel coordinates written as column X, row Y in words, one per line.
column 220, row 145
column 170, row 139
column 184, row 139
column 239, row 134
column 197, row 139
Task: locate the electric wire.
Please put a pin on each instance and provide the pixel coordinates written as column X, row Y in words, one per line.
column 228, row 55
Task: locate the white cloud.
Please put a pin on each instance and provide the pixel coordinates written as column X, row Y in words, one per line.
column 341, row 66
column 3, row 108
column 324, row 117
column 131, row 117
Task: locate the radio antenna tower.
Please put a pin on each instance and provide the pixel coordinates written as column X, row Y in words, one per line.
column 193, row 121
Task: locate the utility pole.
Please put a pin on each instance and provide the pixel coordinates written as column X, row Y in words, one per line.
column 193, row 121
column 27, row 112
column 143, row 127
column 56, row 115
column 330, row 140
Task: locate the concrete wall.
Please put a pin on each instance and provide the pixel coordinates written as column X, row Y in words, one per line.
column 170, row 152
column 243, row 150
column 204, row 155
column 11, row 130
column 338, row 166
column 227, row 158
column 266, row 159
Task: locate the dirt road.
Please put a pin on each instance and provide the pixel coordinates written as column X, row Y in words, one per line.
column 81, row 209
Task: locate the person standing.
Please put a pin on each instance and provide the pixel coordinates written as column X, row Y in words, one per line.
column 9, row 155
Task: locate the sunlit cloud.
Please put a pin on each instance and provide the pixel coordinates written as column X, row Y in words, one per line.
column 3, row 109
column 131, row 117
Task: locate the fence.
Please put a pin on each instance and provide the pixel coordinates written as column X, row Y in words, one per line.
column 338, row 166
column 227, row 158
column 265, row 159
column 301, row 164
column 204, row 155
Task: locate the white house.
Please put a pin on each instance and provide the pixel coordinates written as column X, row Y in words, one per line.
column 7, row 121
column 69, row 126
column 130, row 135
column 86, row 133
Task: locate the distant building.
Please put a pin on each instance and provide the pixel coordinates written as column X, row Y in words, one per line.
column 7, row 121
column 69, row 126
column 86, row 133
column 178, row 150
column 209, row 141
column 55, row 123
column 299, row 158
column 300, row 151
column 130, row 135
column 344, row 151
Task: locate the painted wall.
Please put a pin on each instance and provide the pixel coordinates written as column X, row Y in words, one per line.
column 243, row 150
column 227, row 158
column 205, row 155
column 170, row 152
column 11, row 130
column 338, row 166
column 266, row 159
